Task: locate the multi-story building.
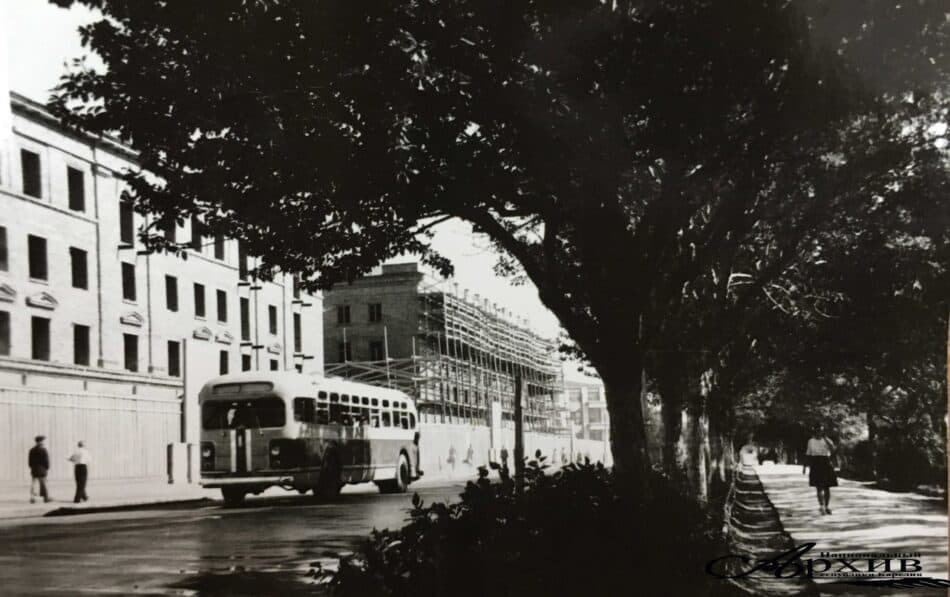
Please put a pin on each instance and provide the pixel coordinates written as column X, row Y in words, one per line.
column 101, row 340
column 588, row 407
column 454, row 351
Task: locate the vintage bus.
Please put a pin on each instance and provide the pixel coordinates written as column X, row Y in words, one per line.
column 304, row 432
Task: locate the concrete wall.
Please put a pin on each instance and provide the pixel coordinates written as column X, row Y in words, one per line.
column 125, row 420
column 440, row 440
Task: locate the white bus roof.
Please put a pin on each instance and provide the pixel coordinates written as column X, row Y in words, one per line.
column 291, row 381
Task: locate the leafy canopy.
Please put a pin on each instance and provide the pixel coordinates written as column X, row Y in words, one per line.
column 652, row 162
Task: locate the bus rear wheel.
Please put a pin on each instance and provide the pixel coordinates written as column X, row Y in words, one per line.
column 328, row 485
column 233, row 496
column 401, row 483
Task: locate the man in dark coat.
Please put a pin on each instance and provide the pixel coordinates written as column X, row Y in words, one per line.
column 39, row 467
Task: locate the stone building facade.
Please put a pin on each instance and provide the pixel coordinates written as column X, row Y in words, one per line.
column 100, row 340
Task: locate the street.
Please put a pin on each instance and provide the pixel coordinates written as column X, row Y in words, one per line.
column 265, row 547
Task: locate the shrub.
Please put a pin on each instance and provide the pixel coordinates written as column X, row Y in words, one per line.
column 570, row 533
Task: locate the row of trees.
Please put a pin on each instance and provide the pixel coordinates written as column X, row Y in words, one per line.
column 719, row 197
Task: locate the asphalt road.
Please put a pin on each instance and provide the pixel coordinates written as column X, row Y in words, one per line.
column 264, row 548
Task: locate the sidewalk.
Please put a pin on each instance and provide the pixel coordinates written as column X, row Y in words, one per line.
column 108, row 494
column 112, row 494
column 863, row 520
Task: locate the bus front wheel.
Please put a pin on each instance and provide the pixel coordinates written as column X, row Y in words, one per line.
column 401, row 483
column 233, row 496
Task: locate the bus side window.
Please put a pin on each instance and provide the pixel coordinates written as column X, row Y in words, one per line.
column 305, row 410
column 345, row 414
column 405, row 421
column 412, row 421
column 335, row 411
column 386, row 422
column 322, row 414
column 374, row 417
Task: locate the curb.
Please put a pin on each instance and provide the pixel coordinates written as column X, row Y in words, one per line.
column 76, row 510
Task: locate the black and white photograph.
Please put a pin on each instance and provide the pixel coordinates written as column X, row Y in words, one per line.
column 469, row 298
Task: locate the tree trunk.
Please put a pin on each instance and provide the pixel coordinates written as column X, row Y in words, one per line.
column 627, row 432
column 697, row 446
column 721, row 458
column 672, row 391
column 721, row 440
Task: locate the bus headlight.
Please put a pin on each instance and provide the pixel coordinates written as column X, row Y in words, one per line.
column 275, row 450
column 207, row 456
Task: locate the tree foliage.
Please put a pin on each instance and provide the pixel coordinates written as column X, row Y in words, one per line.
column 493, row 541
column 668, row 174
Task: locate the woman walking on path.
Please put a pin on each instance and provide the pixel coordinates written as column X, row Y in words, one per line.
column 821, row 473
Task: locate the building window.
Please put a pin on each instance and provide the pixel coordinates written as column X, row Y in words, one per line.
column 196, row 236
column 171, row 293
column 222, row 306
column 199, row 300
column 245, row 362
column 169, row 229
column 126, row 223
column 245, row 319
column 219, row 247
column 376, row 351
column 375, row 312
column 76, row 181
column 272, row 319
column 274, row 365
column 223, row 362
column 36, row 246
column 4, row 333
column 343, row 314
column 174, row 358
column 40, row 335
column 242, row 260
column 30, row 167
column 78, row 262
column 81, row 344
column 296, row 287
column 128, row 281
column 298, row 335
column 4, row 260
column 343, row 352
column 131, row 346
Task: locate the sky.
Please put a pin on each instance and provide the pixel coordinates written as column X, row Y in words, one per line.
column 42, row 38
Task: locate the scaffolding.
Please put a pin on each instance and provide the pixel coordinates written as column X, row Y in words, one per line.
column 465, row 356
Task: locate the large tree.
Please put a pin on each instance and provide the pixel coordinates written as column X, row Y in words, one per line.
column 653, row 167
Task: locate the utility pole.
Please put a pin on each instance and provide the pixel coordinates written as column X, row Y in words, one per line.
column 519, row 439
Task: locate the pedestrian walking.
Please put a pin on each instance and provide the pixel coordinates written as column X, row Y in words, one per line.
column 451, row 458
column 81, row 459
column 504, row 457
column 821, row 470
column 39, row 467
column 469, row 455
column 749, row 453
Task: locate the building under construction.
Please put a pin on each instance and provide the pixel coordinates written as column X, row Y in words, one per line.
column 456, row 353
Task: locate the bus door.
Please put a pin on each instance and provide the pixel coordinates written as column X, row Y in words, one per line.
column 241, row 450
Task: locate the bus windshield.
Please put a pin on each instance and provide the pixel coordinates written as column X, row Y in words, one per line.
column 255, row 413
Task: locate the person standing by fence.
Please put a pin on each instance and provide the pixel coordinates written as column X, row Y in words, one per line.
column 81, row 459
column 39, row 467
